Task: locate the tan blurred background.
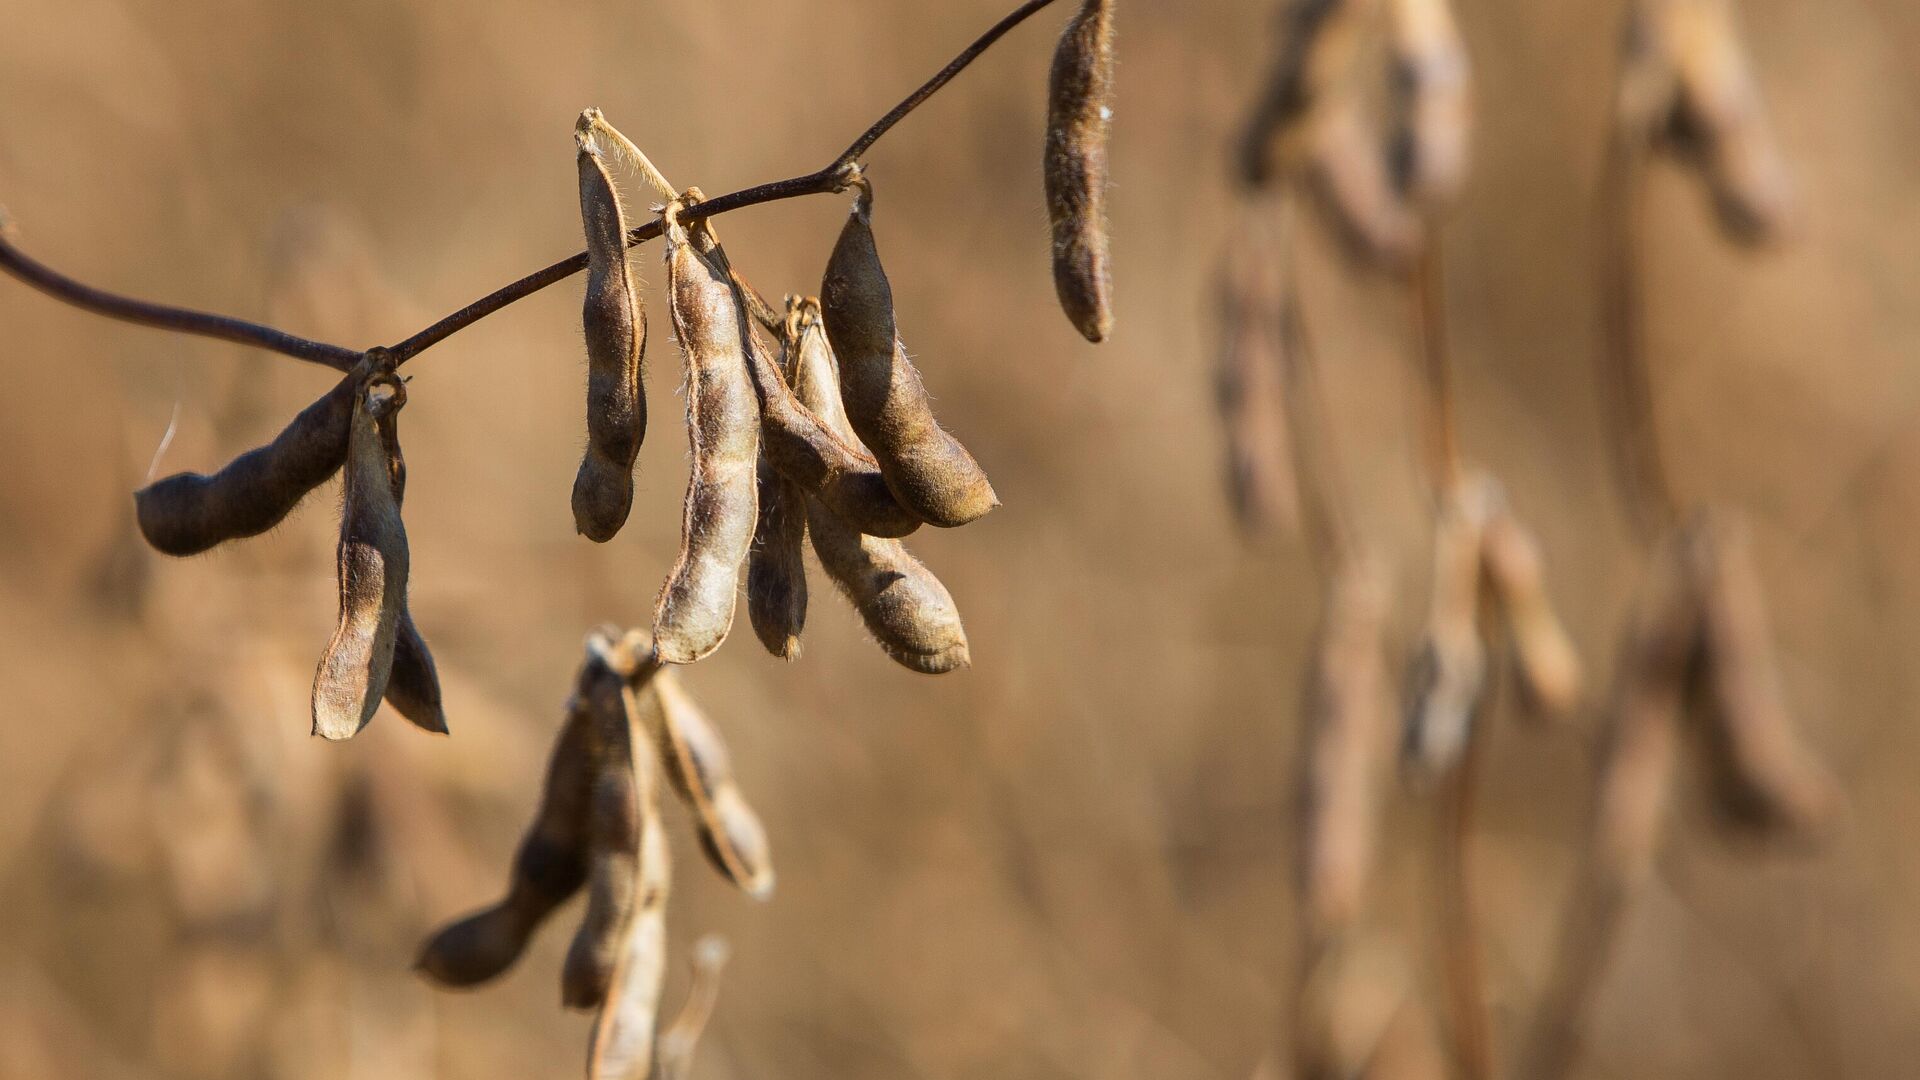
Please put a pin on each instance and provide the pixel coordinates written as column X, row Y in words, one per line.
column 1071, row 860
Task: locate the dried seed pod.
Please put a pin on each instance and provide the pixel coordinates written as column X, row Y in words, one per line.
column 1348, row 1002
column 1345, row 728
column 1446, row 684
column 1433, row 106
column 904, row 606
column 807, row 451
column 413, row 687
column 1763, row 777
column 1250, row 390
column 927, row 469
column 354, row 670
column 615, row 813
column 1656, row 662
column 623, row 1034
column 776, row 569
column 1317, row 45
column 674, row 1050
column 1079, row 126
column 1549, row 669
column 187, row 513
column 702, row 772
column 615, row 325
column 696, row 605
column 549, row 867
column 1355, row 192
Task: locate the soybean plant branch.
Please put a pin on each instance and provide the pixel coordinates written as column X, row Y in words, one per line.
column 835, row 177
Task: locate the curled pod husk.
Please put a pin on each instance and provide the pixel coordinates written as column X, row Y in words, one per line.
column 1637, row 758
column 1549, row 669
column 701, row 770
column 1355, row 192
column 806, row 451
column 1719, row 120
column 1079, row 127
column 613, row 832
column 413, row 686
column 1446, row 683
column 1250, row 390
column 615, row 326
column 927, row 469
column 549, row 867
column 187, row 513
column 1346, row 715
column 723, row 424
column 906, row 609
column 1434, row 110
column 1764, row 778
column 354, row 670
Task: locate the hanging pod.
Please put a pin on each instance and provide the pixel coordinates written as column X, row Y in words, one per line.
column 615, row 328
column 1079, row 127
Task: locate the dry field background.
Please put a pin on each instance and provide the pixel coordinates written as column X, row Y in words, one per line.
column 1071, row 860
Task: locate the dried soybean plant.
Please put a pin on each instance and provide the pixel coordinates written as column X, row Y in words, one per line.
column 628, row 727
column 1318, row 130
column 807, row 423
column 1698, row 651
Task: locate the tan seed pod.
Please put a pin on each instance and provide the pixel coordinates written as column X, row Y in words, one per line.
column 187, row 513
column 413, row 687
column 1447, row 682
column 806, row 451
column 776, row 568
column 1549, row 669
column 906, row 609
column 1434, row 110
column 615, row 326
column 1346, row 715
column 614, row 829
column 353, row 672
column 723, row 424
column 677, row 1044
column 1655, row 664
column 927, row 469
column 622, row 1045
column 1764, row 778
column 1356, row 195
column 549, row 867
column 1250, row 390
column 1318, row 42
column 701, row 770
column 1079, row 127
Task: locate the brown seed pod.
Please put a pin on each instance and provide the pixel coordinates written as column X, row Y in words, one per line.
column 354, row 670
column 702, row 772
column 549, row 867
column 1079, row 127
column 723, row 424
column 1318, row 41
column 413, row 687
column 904, row 606
column 1434, row 113
column 1447, row 682
column 1346, row 710
column 776, row 569
column 615, row 822
column 927, row 469
column 808, row 452
column 1250, row 389
column 187, row 513
column 623, row 1034
column 1356, row 195
column 677, row 1044
column 1763, row 777
column 1548, row 667
column 615, row 326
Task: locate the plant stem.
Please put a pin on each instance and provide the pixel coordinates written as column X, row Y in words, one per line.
column 1428, row 286
column 834, row 177
column 1464, row 981
column 1626, row 380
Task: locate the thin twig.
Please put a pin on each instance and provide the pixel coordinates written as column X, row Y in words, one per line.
column 1626, row 380
column 1469, row 1026
column 834, row 177
column 1429, row 290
